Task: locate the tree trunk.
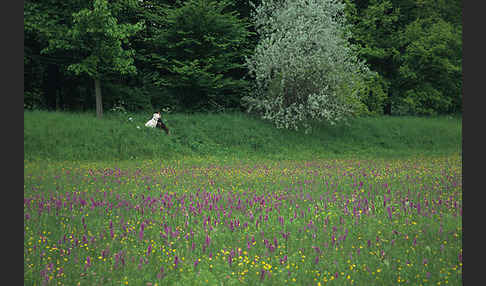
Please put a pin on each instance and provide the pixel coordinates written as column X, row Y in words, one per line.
column 99, row 104
column 388, row 105
column 51, row 84
column 387, row 109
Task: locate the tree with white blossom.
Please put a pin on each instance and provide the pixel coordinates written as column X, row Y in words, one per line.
column 304, row 67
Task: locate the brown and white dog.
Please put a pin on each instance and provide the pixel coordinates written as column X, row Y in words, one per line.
column 161, row 125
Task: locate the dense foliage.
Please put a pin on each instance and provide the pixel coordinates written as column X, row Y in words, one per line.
column 416, row 48
column 190, row 55
column 198, row 54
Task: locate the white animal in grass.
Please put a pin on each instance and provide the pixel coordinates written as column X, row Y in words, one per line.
column 153, row 122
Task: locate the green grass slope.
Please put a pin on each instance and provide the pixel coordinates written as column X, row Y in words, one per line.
column 61, row 136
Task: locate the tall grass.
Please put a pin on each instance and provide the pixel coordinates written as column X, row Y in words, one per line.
column 81, row 136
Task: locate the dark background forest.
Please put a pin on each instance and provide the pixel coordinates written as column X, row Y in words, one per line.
column 189, row 55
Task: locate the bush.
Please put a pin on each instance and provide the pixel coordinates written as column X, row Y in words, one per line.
column 373, row 95
column 33, row 99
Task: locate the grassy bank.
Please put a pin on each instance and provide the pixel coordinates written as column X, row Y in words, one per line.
column 60, row 136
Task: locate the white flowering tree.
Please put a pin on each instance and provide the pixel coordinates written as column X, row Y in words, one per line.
column 304, row 67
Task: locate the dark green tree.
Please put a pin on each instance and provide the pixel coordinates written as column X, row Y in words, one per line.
column 97, row 34
column 375, row 29
column 45, row 23
column 197, row 52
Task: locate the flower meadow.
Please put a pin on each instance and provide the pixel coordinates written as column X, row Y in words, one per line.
column 322, row 222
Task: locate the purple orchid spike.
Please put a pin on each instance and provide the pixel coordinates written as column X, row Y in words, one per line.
column 160, row 275
column 262, row 274
column 139, row 266
column 176, row 261
column 388, row 209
